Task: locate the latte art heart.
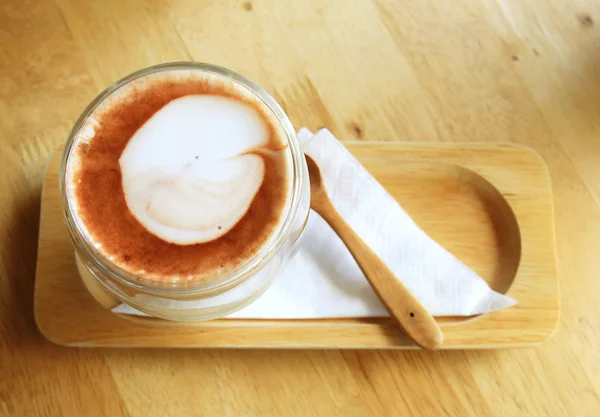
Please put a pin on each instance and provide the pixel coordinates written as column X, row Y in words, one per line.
column 189, row 174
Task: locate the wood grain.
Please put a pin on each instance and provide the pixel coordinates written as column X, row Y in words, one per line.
column 504, row 231
column 377, row 70
column 404, row 308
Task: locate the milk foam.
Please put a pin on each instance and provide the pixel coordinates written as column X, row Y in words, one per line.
column 205, row 163
column 188, row 176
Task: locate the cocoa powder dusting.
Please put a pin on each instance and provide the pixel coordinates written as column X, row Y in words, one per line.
column 104, row 211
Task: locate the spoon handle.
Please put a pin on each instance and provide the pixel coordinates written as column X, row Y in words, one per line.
column 402, row 305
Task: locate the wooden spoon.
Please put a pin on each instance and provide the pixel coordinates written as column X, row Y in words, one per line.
column 402, row 305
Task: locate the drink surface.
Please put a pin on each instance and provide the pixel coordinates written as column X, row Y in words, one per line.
column 180, row 175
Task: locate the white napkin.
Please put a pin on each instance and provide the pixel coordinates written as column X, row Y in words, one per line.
column 323, row 280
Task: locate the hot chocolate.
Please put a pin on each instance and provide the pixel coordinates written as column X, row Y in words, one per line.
column 180, row 175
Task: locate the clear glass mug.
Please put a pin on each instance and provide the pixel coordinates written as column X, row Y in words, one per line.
column 211, row 298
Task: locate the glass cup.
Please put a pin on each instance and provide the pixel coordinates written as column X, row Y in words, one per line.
column 216, row 296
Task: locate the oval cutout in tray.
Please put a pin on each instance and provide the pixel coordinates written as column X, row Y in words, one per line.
column 460, row 210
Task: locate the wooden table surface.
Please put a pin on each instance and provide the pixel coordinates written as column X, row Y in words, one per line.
column 397, row 70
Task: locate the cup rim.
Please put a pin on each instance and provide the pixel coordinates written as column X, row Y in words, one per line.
column 212, row 283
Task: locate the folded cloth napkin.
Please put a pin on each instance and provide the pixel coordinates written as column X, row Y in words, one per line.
column 324, row 281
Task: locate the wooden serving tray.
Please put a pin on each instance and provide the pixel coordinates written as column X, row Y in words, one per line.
column 488, row 204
